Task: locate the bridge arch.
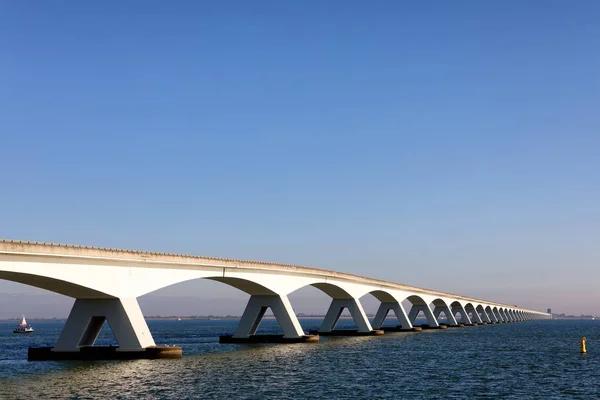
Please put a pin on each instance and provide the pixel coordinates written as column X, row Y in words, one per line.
column 333, row 290
column 441, row 306
column 263, row 296
column 55, row 285
column 245, row 285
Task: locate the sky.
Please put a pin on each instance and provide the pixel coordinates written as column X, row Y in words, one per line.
column 447, row 145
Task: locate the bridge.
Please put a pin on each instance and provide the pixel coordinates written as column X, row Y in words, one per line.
column 106, row 283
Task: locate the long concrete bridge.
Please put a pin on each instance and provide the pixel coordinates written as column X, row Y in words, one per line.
column 107, row 282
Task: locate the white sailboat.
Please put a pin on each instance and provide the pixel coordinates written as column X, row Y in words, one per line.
column 23, row 327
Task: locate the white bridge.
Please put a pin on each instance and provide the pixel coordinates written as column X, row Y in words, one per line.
column 106, row 284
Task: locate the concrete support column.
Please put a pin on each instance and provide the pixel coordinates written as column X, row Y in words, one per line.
column 475, row 317
column 282, row 310
column 414, row 311
column 484, row 316
column 335, row 311
column 498, row 316
column 464, row 317
column 491, row 316
column 383, row 311
column 450, row 319
column 87, row 318
column 505, row 316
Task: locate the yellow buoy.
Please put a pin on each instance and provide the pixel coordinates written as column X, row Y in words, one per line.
column 582, row 346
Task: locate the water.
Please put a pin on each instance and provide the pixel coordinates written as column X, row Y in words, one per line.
column 530, row 360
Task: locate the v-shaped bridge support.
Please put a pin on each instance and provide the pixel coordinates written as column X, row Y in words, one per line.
column 88, row 316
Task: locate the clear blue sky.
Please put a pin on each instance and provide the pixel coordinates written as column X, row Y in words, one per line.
column 454, row 146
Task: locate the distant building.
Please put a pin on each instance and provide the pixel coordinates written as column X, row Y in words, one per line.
column 549, row 311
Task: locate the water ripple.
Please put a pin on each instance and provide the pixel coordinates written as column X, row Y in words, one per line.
column 512, row 361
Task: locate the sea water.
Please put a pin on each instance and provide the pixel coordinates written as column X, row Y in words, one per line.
column 527, row 360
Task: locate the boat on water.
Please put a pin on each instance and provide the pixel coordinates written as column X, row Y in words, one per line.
column 23, row 327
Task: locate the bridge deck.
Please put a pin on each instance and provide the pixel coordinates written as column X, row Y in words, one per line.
column 78, row 251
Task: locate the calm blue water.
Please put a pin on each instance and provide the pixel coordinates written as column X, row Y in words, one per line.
column 530, row 360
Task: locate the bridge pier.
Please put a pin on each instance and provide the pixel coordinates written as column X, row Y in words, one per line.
column 491, row 316
column 485, row 317
column 85, row 322
column 88, row 316
column 450, row 319
column 475, row 317
column 384, row 309
column 253, row 315
column 358, row 315
column 497, row 316
column 464, row 316
column 431, row 319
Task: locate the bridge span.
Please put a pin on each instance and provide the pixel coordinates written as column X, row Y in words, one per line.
column 107, row 282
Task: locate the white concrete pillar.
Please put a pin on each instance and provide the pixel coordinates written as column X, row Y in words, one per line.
column 282, row 310
column 497, row 315
column 450, row 319
column 335, row 311
column 464, row 317
column 491, row 315
column 87, row 318
column 483, row 314
column 475, row 317
column 383, row 311
column 414, row 311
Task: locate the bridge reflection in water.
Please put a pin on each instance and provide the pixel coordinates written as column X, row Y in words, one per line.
column 107, row 282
